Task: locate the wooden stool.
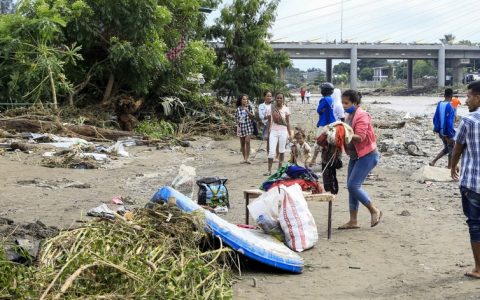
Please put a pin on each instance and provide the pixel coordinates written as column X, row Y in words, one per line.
column 250, row 194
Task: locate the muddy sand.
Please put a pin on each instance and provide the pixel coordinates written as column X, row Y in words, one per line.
column 420, row 250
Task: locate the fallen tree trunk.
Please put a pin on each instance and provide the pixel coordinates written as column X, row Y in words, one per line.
column 38, row 126
column 389, row 125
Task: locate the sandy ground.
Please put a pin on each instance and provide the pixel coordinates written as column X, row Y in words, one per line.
column 420, row 256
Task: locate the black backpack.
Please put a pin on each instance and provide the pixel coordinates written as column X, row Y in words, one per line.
column 213, row 192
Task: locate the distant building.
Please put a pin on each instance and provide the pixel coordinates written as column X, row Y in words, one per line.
column 383, row 73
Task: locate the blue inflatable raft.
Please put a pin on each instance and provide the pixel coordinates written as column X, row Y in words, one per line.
column 251, row 243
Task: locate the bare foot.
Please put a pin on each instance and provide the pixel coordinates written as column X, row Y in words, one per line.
column 376, row 218
column 473, row 274
column 349, row 225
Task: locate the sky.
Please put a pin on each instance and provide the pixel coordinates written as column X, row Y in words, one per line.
column 388, row 21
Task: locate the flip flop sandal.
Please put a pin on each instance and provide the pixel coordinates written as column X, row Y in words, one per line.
column 378, row 220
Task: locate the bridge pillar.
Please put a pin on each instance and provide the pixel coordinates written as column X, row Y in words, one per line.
column 353, row 67
column 441, row 66
column 410, row 74
column 329, row 70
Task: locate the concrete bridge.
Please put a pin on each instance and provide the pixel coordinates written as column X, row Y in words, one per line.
column 453, row 56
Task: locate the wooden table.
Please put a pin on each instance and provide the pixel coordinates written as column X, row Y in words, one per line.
column 325, row 197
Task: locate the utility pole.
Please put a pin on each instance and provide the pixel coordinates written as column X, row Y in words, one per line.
column 341, row 23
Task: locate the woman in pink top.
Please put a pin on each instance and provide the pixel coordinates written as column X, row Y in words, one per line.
column 363, row 158
column 279, row 124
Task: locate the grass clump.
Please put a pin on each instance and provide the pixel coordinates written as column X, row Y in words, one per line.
column 157, row 255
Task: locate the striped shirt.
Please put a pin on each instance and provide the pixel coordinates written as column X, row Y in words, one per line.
column 468, row 134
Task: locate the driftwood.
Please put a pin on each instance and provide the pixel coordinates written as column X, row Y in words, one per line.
column 389, row 125
column 22, row 146
column 85, row 131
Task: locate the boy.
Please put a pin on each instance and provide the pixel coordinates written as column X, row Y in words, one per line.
column 301, row 151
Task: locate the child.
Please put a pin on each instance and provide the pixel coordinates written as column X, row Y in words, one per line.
column 301, row 151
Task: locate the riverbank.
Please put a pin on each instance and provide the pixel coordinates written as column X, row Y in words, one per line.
column 419, row 251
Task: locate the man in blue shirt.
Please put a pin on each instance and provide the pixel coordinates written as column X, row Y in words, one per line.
column 467, row 146
column 443, row 124
column 325, row 112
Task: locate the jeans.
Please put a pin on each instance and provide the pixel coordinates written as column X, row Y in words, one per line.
column 280, row 138
column 471, row 209
column 358, row 170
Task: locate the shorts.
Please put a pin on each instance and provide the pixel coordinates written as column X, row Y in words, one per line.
column 447, row 146
column 280, row 138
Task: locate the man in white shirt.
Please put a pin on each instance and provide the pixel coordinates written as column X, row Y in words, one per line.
column 337, row 105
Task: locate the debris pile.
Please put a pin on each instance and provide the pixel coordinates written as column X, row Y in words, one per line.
column 157, row 255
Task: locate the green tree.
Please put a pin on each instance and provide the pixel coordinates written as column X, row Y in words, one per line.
column 249, row 64
column 145, row 48
column 448, row 39
column 423, row 68
column 366, row 74
column 33, row 59
column 465, row 42
column 400, row 69
column 342, row 68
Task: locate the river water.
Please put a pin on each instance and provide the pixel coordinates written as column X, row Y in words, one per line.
column 415, row 105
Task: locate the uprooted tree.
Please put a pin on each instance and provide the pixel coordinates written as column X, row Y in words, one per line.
column 93, row 51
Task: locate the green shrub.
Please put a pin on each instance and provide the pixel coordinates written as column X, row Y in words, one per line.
column 155, row 129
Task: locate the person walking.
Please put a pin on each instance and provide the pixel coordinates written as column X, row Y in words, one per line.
column 443, row 124
column 467, row 147
column 244, row 118
column 263, row 110
column 279, row 123
column 363, row 158
column 337, row 105
column 325, row 114
column 302, row 95
column 308, row 95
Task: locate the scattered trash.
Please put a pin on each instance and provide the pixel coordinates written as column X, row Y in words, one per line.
column 101, row 211
column 117, row 200
column 54, row 184
column 184, row 182
column 431, row 209
column 405, row 213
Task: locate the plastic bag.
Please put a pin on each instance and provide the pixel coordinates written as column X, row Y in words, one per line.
column 184, row 182
column 265, row 212
column 296, row 220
